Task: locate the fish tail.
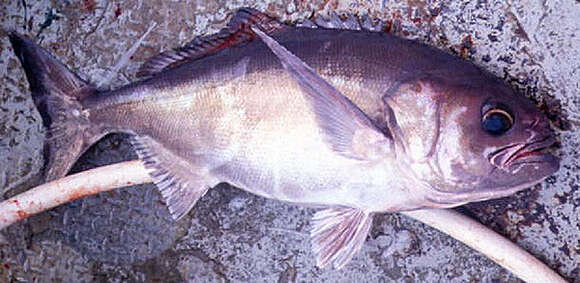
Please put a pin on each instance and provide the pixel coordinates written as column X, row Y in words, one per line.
column 58, row 94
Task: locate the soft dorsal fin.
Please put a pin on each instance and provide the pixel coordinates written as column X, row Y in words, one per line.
column 237, row 32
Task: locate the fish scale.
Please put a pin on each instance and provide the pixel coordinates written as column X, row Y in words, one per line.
column 356, row 122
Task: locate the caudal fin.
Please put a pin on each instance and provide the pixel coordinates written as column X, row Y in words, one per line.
column 57, row 94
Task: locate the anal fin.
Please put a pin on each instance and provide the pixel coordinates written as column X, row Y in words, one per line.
column 180, row 182
column 338, row 234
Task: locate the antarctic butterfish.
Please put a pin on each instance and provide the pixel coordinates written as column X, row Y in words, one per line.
column 355, row 122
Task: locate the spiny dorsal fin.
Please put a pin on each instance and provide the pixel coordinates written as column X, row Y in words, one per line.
column 237, row 32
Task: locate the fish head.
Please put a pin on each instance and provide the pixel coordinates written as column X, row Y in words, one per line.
column 474, row 139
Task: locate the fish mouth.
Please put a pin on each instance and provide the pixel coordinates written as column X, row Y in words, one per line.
column 522, row 153
column 515, row 167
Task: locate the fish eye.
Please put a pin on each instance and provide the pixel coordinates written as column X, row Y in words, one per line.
column 496, row 121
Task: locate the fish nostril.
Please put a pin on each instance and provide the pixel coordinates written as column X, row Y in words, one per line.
column 539, row 125
column 532, row 122
column 535, row 123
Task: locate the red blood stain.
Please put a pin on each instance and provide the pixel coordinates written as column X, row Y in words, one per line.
column 22, row 214
column 89, row 5
column 388, row 26
column 81, row 193
column 118, row 11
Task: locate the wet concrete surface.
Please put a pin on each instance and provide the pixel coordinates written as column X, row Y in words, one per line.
column 230, row 235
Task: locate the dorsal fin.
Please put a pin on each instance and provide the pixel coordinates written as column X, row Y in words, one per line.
column 237, row 32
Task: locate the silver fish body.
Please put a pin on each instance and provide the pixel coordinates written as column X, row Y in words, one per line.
column 243, row 119
column 354, row 121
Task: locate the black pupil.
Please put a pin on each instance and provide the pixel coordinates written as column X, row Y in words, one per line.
column 496, row 124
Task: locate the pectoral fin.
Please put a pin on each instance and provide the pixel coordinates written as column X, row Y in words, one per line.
column 181, row 183
column 337, row 234
column 346, row 128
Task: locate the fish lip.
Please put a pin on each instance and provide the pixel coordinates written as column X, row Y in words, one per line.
column 531, row 152
column 507, row 161
column 523, row 153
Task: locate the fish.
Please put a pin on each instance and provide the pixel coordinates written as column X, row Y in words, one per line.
column 352, row 122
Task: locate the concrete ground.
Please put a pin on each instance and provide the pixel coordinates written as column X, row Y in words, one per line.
column 127, row 234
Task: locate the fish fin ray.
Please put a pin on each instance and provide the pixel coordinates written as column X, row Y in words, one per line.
column 58, row 94
column 46, row 73
column 346, row 128
column 338, row 234
column 180, row 183
column 236, row 33
column 345, row 21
